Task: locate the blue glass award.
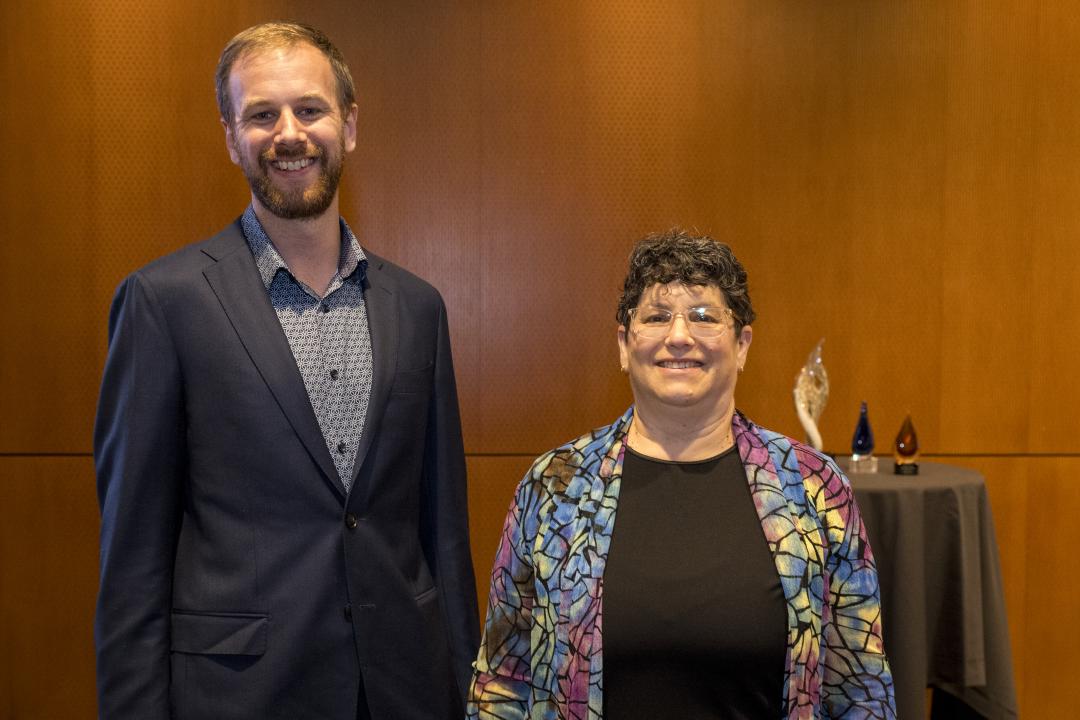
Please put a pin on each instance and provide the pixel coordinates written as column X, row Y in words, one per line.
column 862, row 445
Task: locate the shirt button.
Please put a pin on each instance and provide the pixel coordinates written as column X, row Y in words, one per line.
column 341, row 447
column 351, row 522
column 333, row 374
column 324, row 307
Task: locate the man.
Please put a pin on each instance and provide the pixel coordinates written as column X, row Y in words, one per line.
column 278, row 447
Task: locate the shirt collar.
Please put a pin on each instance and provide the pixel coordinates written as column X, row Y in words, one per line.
column 269, row 262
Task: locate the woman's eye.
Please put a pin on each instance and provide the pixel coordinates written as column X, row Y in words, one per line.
column 710, row 315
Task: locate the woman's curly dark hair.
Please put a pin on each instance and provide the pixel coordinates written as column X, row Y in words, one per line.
column 678, row 256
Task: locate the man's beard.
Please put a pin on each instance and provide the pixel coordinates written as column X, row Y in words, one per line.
column 308, row 202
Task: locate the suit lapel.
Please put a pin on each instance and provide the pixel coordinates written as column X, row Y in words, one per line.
column 380, row 297
column 236, row 282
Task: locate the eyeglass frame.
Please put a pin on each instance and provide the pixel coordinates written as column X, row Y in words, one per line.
column 691, row 325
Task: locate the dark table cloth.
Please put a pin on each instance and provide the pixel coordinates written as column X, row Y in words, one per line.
column 943, row 608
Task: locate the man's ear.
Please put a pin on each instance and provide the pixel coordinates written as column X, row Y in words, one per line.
column 230, row 142
column 350, row 128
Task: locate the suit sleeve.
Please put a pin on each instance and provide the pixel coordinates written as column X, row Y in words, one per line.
column 139, row 456
column 446, row 510
column 857, row 681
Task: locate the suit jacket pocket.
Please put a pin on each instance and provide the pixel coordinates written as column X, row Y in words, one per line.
column 427, row 595
column 219, row 633
column 413, row 381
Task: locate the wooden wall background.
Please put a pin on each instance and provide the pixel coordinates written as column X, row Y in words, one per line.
column 902, row 178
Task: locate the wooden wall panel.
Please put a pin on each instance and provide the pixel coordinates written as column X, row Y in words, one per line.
column 48, row 586
column 48, row 358
column 989, row 184
column 1050, row 333
column 1050, row 635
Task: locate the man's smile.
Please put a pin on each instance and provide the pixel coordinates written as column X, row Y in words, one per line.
column 292, row 164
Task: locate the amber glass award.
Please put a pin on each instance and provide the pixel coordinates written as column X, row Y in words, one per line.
column 906, row 451
column 862, row 445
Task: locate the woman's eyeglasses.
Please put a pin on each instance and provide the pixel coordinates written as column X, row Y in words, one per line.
column 702, row 322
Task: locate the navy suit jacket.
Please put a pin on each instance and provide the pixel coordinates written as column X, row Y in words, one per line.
column 237, row 579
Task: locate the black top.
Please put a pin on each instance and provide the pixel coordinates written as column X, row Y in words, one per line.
column 695, row 623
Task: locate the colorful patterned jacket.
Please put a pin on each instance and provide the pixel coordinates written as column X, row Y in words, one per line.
column 541, row 656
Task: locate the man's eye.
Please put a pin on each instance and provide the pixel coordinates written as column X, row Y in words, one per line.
column 309, row 112
column 263, row 116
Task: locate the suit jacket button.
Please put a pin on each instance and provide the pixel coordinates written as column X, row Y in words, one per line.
column 348, row 612
column 351, row 522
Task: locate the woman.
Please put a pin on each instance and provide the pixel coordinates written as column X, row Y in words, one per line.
column 737, row 582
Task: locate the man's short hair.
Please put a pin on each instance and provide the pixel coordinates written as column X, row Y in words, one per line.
column 678, row 256
column 274, row 35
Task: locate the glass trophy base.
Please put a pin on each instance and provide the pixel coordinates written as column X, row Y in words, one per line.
column 862, row 464
column 906, row 469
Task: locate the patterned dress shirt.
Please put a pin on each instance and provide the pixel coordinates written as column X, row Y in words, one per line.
column 329, row 338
